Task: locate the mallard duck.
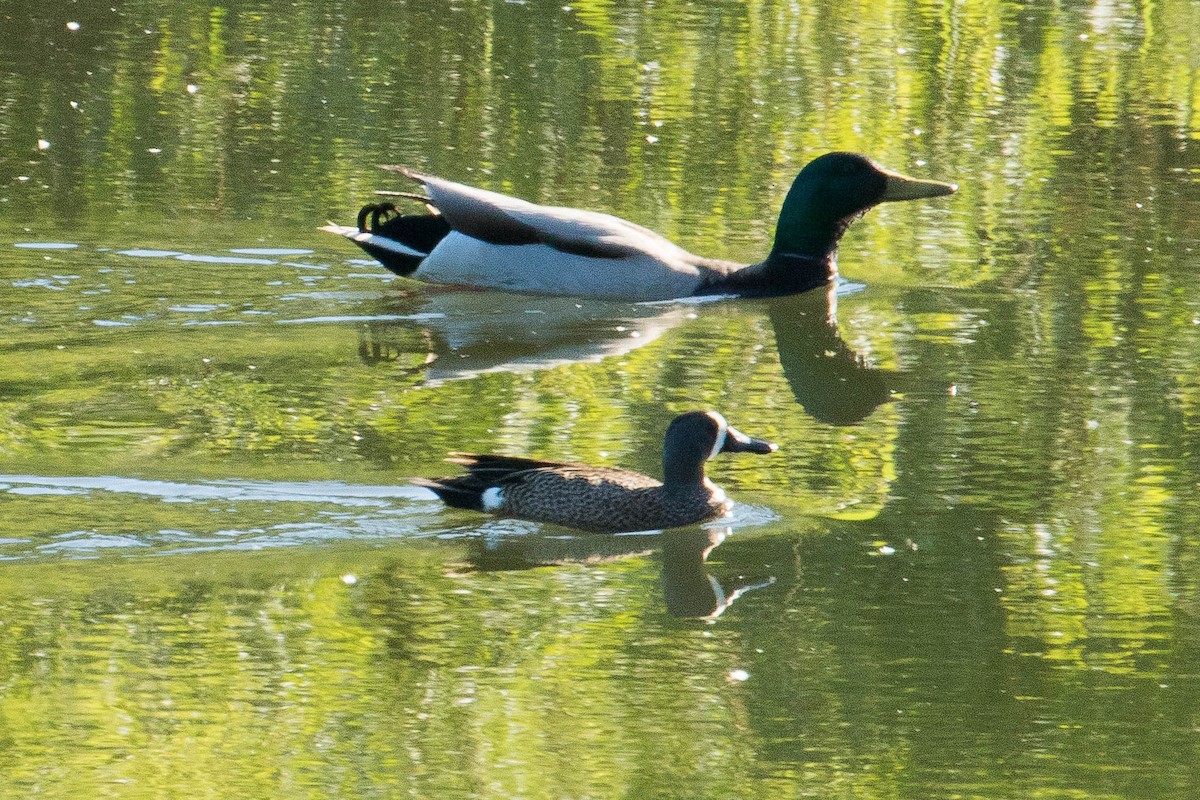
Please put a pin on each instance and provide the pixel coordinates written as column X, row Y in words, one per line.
column 473, row 237
column 604, row 499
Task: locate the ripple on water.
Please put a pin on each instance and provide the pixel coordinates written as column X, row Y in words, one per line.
column 40, row 283
column 197, row 308
column 271, row 251
column 83, row 541
column 40, row 490
column 150, row 253
column 334, row 492
column 344, row 318
column 319, row 511
column 223, row 259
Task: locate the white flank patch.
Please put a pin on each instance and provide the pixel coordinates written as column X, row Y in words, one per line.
column 493, row 498
column 540, row 269
column 722, row 432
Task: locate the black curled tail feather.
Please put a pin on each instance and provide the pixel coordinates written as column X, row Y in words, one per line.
column 376, row 212
column 417, row 232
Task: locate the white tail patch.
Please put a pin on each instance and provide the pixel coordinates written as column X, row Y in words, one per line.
column 492, row 498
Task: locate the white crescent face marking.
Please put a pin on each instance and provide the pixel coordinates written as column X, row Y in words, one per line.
column 722, row 432
column 493, row 498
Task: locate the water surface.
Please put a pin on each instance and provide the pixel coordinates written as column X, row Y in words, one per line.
column 969, row 572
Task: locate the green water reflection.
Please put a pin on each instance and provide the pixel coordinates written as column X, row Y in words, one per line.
column 970, row 572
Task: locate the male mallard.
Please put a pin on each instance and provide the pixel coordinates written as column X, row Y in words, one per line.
column 474, row 237
column 604, row 499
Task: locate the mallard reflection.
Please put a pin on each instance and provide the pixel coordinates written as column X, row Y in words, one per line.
column 827, row 377
column 689, row 588
column 469, row 333
column 454, row 335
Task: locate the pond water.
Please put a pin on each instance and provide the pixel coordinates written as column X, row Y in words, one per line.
column 971, row 571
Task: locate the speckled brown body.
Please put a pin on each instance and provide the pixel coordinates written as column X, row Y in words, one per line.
column 607, row 500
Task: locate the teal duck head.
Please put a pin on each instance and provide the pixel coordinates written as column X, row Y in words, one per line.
column 695, row 437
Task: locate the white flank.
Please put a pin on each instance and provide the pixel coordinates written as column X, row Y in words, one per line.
column 493, row 498
column 540, row 269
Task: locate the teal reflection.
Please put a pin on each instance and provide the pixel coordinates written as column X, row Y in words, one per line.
column 690, row 588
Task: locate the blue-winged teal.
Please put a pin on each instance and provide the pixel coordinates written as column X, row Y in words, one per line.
column 604, row 499
column 474, row 237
